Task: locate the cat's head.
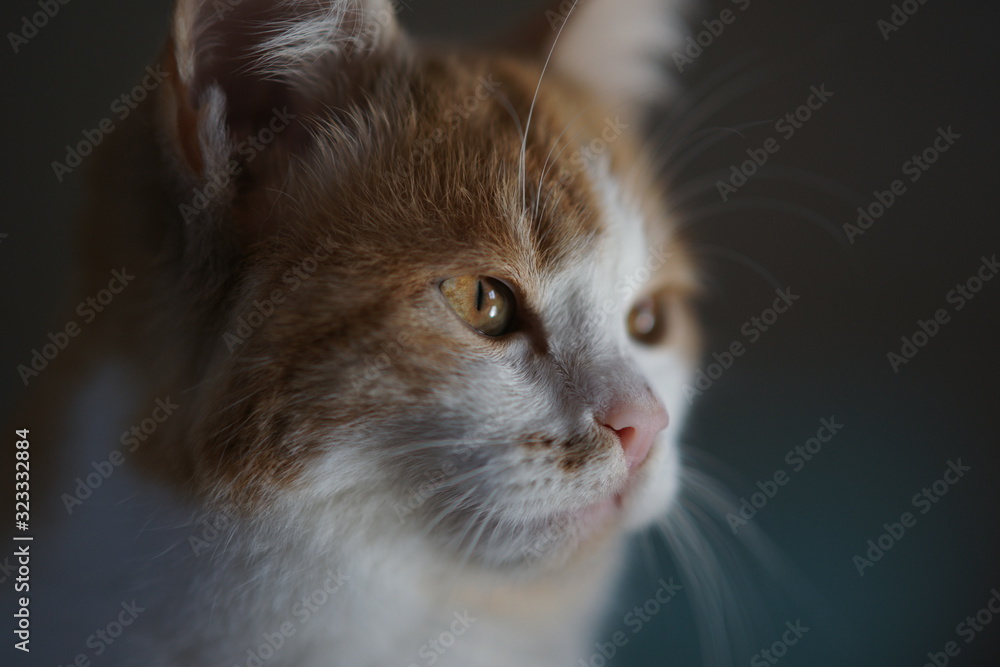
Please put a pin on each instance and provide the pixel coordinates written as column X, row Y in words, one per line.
column 453, row 305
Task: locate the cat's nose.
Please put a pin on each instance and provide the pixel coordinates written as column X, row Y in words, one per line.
column 637, row 428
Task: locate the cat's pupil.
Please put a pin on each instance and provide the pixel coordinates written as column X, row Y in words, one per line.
column 645, row 320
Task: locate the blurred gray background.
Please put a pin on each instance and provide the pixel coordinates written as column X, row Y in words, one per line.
column 825, row 357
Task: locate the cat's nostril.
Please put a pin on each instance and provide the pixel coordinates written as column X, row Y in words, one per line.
column 637, row 429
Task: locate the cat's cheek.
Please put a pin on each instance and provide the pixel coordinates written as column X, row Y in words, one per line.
column 655, row 486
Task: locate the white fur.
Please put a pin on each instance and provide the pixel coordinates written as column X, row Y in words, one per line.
column 397, row 589
column 617, row 48
column 334, row 29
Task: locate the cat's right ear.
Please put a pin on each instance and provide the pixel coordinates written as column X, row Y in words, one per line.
column 242, row 69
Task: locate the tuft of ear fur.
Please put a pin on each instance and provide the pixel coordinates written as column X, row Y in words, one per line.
column 236, row 64
column 617, row 48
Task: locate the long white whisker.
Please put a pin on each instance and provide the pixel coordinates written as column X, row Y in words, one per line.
column 531, row 109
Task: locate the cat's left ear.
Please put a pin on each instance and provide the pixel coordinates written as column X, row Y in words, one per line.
column 244, row 70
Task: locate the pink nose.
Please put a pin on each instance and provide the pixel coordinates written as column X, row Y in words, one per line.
column 637, row 428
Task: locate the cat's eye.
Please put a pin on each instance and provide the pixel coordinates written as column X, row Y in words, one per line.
column 486, row 304
column 647, row 321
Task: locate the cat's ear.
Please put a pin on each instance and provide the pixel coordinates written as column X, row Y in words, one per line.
column 239, row 69
column 619, row 49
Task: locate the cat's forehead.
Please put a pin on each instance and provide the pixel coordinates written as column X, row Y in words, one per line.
column 470, row 161
column 529, row 149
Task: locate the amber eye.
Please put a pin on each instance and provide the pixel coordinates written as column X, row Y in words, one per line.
column 647, row 321
column 485, row 303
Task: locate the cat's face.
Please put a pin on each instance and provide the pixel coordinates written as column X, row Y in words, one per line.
column 472, row 335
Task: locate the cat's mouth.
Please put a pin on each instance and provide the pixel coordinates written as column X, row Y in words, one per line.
column 610, row 509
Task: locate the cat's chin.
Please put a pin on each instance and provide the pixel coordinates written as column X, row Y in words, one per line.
column 552, row 539
column 649, row 491
column 598, row 515
column 646, row 496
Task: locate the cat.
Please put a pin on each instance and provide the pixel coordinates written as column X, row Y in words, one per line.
column 404, row 342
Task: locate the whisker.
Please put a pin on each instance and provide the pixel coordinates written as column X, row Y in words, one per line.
column 545, row 165
column 763, row 203
column 811, row 178
column 690, row 101
column 481, row 517
column 454, row 506
column 725, row 572
column 406, row 450
column 544, row 170
column 707, row 182
column 534, row 99
column 506, row 103
column 716, row 136
column 739, row 258
column 696, row 107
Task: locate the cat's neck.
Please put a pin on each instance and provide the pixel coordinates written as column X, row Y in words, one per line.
column 379, row 604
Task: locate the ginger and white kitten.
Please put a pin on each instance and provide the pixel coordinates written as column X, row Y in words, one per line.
column 425, row 323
